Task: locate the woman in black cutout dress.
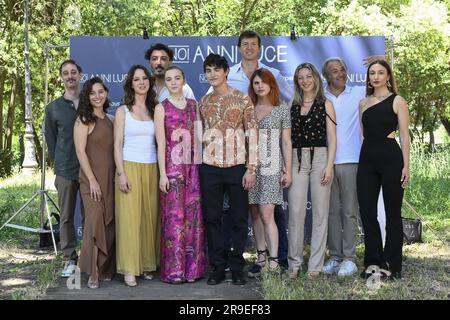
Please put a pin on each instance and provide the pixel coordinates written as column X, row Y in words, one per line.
column 383, row 164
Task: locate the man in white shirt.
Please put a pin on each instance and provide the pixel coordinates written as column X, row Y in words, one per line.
column 342, row 220
column 249, row 45
column 160, row 57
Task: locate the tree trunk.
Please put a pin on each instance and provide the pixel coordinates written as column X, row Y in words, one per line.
column 10, row 115
column 446, row 123
column 2, row 90
column 37, row 143
column 431, row 145
column 246, row 12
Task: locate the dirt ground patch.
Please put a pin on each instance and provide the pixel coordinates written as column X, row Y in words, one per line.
column 25, row 271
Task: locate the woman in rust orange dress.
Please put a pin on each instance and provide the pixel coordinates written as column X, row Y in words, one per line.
column 94, row 143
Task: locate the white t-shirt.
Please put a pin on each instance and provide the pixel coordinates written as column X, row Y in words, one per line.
column 348, row 130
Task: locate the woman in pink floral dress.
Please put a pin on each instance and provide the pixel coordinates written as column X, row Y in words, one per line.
column 182, row 232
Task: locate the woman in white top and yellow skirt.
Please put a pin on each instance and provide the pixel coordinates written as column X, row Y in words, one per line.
column 137, row 218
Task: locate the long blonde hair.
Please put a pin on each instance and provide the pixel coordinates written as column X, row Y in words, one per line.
column 319, row 95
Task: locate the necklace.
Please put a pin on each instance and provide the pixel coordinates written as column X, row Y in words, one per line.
column 179, row 103
column 307, row 104
column 379, row 98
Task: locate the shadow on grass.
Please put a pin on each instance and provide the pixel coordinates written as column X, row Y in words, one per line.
column 426, row 275
column 26, row 273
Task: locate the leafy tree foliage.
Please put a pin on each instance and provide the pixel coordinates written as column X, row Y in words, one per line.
column 420, row 30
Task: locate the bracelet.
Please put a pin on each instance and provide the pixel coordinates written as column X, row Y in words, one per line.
column 119, row 173
column 252, row 169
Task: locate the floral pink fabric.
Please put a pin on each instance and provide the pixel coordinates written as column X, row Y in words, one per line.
column 182, row 232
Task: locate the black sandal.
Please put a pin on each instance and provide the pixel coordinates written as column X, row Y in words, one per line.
column 255, row 270
column 262, row 257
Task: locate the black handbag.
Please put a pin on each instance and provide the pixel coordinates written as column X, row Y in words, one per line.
column 45, row 238
column 412, row 230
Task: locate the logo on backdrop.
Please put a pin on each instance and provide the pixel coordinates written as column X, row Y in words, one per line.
column 111, row 57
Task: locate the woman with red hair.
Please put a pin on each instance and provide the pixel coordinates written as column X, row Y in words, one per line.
column 274, row 173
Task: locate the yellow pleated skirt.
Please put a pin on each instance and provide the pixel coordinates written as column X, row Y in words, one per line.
column 137, row 220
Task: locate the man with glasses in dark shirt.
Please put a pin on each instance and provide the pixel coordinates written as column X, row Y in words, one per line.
column 60, row 117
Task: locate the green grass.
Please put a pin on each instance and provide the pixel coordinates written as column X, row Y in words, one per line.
column 25, row 271
column 14, row 193
column 426, row 266
column 429, row 192
column 426, row 270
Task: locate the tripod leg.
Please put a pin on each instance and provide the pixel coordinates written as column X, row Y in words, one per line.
column 51, row 200
column 18, row 211
column 50, row 224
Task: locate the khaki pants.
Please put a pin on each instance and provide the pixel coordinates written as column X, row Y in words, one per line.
column 342, row 221
column 320, row 198
column 67, row 198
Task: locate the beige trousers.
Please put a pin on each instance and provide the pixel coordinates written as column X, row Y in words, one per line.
column 320, row 197
column 342, row 221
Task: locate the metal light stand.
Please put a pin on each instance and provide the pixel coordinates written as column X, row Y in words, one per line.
column 45, row 198
column 42, row 192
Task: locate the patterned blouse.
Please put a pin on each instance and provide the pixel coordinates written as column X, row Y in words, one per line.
column 310, row 130
column 230, row 130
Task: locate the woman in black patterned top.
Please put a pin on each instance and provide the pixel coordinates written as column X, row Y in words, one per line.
column 314, row 149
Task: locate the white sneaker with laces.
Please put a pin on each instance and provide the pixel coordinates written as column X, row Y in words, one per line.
column 69, row 269
column 348, row 268
column 332, row 266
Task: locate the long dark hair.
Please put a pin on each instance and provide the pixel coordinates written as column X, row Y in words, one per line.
column 85, row 109
column 391, row 84
column 129, row 99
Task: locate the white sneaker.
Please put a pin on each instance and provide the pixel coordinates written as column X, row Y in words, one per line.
column 347, row 268
column 332, row 266
column 69, row 269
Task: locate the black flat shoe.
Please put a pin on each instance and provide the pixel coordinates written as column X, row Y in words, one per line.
column 395, row 276
column 216, row 277
column 237, row 278
column 369, row 271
